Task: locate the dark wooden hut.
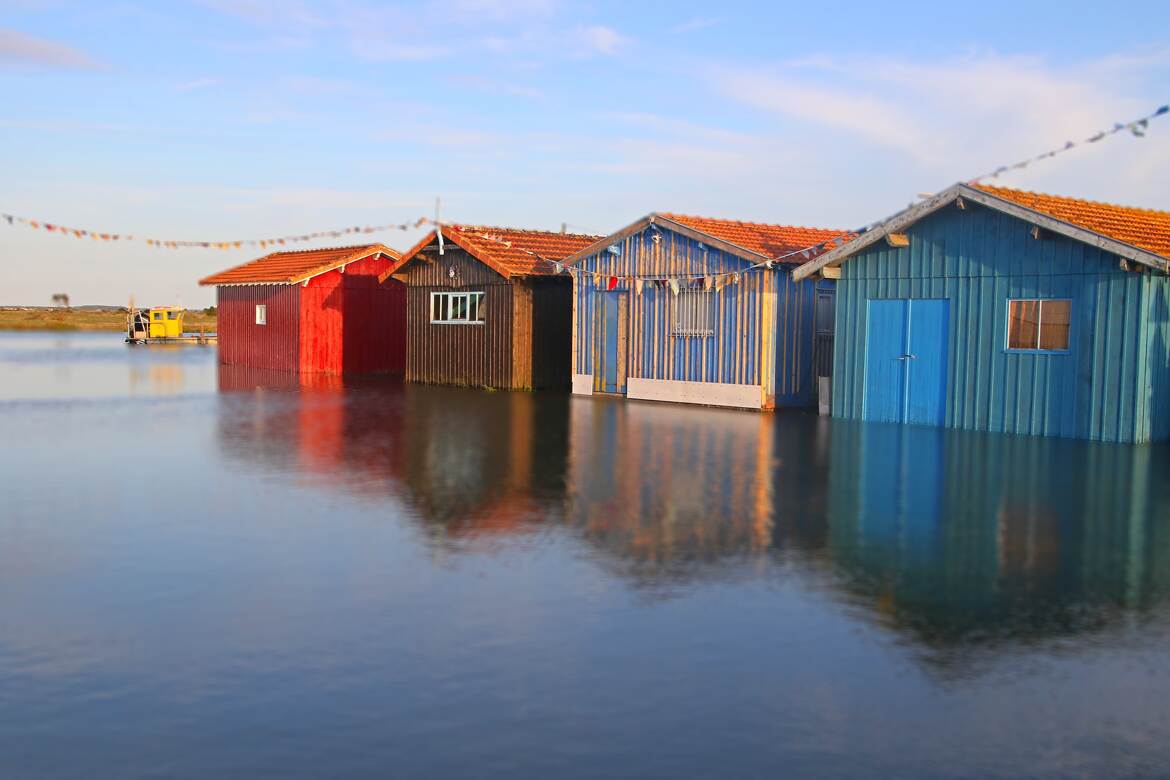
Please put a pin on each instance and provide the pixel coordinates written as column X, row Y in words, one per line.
column 326, row 311
column 486, row 307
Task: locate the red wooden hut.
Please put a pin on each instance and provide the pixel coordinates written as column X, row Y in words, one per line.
column 327, row 311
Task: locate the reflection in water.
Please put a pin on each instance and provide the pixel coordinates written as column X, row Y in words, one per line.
column 668, row 492
column 970, row 539
column 308, row 576
column 960, row 540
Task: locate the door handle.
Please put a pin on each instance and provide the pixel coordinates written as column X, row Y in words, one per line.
column 907, row 357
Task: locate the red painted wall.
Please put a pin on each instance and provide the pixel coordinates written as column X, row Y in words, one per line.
column 352, row 324
column 340, row 323
column 243, row 342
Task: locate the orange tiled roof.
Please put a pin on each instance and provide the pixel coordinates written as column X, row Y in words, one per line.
column 1144, row 228
column 509, row 251
column 293, row 267
column 763, row 239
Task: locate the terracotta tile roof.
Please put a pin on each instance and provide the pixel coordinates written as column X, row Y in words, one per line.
column 763, row 239
column 293, row 267
column 509, row 251
column 1144, row 228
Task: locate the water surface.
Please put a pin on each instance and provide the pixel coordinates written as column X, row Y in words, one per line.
column 215, row 572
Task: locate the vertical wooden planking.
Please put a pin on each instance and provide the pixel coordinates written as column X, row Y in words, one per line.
column 979, row 259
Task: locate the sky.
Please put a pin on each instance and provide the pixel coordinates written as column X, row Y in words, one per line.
column 218, row 120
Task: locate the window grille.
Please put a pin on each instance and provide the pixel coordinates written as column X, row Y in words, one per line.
column 694, row 313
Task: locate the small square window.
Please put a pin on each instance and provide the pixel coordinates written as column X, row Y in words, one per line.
column 1039, row 325
column 261, row 314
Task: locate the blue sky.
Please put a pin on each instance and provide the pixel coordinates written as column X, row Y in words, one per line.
column 227, row 119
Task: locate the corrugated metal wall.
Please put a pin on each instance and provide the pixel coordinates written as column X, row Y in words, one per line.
column 352, row 324
column 1157, row 321
column 322, row 324
column 978, row 259
column 243, row 342
column 374, row 338
column 732, row 355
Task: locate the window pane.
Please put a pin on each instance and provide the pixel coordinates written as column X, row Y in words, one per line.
column 1023, row 324
column 435, row 297
column 444, row 306
column 1054, row 324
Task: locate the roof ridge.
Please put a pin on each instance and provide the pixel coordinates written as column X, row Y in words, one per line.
column 676, row 215
column 991, row 188
column 323, row 249
column 463, row 227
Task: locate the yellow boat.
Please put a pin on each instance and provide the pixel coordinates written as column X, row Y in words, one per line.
column 161, row 324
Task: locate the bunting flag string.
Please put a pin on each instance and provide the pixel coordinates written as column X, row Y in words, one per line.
column 162, row 243
column 1137, row 127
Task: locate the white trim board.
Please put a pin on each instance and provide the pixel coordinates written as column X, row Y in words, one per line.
column 582, row 384
column 707, row 393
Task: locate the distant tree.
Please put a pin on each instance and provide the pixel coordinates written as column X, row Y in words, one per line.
column 210, row 311
column 61, row 299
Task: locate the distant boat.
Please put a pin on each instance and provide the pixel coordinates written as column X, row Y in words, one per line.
column 161, row 325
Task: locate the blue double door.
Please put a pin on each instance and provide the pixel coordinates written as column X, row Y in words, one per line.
column 906, row 361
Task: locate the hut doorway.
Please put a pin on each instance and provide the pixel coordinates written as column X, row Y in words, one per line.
column 612, row 342
column 906, row 361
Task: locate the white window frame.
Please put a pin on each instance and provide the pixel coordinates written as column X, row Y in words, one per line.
column 1007, row 333
column 472, row 301
column 261, row 314
column 693, row 314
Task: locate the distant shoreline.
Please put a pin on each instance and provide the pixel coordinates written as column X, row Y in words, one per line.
column 13, row 318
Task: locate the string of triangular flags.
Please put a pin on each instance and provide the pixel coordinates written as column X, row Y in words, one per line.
column 162, row 243
column 706, row 281
column 709, row 282
column 1137, row 127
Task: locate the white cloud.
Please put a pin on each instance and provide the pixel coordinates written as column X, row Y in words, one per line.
column 383, row 50
column 476, row 11
column 23, row 50
column 496, row 87
column 697, row 23
column 981, row 109
column 197, row 84
column 599, row 39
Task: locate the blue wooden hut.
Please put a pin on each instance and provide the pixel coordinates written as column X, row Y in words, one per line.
column 690, row 309
column 994, row 309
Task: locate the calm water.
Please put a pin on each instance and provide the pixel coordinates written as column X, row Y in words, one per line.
column 207, row 572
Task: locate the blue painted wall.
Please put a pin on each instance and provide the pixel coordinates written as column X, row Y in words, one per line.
column 735, row 353
column 1113, row 384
